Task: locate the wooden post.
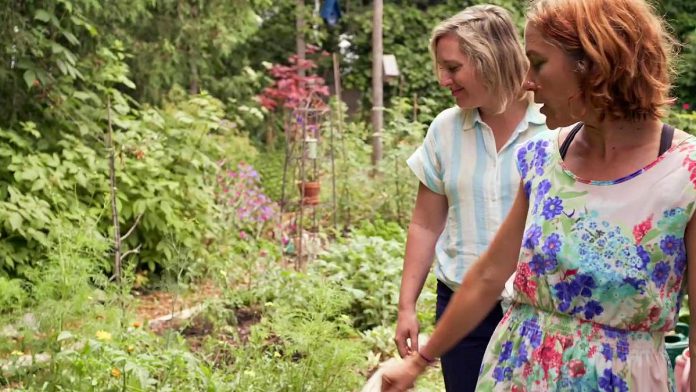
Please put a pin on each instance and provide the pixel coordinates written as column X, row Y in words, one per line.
column 299, row 38
column 377, row 84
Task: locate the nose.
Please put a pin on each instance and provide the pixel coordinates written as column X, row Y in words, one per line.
column 530, row 85
column 445, row 79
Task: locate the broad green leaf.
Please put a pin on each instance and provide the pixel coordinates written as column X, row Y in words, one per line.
column 42, row 15
column 29, row 77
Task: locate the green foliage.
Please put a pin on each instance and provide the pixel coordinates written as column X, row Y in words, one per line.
column 373, row 286
column 684, row 120
column 680, row 15
column 391, row 193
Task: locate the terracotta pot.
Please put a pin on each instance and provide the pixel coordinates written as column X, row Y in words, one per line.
column 309, row 191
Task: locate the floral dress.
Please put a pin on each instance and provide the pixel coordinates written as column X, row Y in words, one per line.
column 600, row 276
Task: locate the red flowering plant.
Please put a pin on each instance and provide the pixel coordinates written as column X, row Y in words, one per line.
column 295, row 86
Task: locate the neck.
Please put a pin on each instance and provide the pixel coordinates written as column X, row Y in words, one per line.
column 511, row 116
column 608, row 135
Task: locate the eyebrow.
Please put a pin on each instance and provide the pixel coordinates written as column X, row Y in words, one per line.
column 532, row 53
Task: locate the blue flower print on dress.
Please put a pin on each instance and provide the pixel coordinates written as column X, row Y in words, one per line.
column 552, row 207
column 611, row 382
column 532, row 236
column 670, row 244
column 660, row 273
column 552, row 244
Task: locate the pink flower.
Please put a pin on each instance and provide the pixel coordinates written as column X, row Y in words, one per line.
column 524, row 282
column 576, row 368
column 641, row 229
column 686, row 106
column 243, row 235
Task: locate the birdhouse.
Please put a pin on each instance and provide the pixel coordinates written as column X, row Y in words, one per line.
column 391, row 69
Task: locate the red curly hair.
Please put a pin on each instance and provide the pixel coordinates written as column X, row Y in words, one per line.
column 623, row 52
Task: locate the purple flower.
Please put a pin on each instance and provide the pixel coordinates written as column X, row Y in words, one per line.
column 532, row 236
column 537, row 265
column 544, row 187
column 593, row 308
column 607, row 352
column 505, row 353
column 660, row 273
column 502, row 374
column 585, row 284
column 552, row 244
column 670, row 244
column 644, row 256
column 531, row 330
column 611, row 382
column 552, row 207
column 521, row 357
column 680, row 261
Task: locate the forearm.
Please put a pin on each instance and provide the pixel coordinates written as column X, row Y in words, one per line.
column 420, row 251
column 482, row 284
column 467, row 308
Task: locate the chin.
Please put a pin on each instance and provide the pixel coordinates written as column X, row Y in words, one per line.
column 553, row 123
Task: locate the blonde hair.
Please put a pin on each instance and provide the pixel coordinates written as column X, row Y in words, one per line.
column 489, row 38
column 623, row 52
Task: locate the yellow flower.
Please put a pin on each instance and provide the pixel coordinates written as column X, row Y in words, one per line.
column 276, row 354
column 115, row 373
column 17, row 353
column 103, row 336
column 130, row 349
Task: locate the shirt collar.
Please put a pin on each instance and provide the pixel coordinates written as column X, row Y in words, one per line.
column 472, row 118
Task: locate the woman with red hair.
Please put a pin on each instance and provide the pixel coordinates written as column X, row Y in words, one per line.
column 603, row 228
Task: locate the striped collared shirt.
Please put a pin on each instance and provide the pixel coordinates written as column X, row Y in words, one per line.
column 458, row 159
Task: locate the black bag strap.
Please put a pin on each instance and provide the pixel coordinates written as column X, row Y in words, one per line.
column 666, row 138
column 569, row 139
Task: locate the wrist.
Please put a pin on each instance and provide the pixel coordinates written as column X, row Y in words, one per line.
column 407, row 308
column 423, row 359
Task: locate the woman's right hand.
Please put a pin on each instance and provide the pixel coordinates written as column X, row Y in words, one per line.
column 401, row 376
column 407, row 327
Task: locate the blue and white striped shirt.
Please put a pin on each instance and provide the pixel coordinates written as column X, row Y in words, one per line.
column 458, row 159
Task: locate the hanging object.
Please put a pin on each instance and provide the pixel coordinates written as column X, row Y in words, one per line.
column 391, row 68
column 311, row 146
column 330, row 12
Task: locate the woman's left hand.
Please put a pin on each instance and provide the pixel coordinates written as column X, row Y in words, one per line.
column 401, row 376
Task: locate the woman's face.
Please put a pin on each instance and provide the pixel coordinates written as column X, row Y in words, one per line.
column 457, row 73
column 553, row 79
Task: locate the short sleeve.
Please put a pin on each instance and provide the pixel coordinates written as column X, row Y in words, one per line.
column 426, row 164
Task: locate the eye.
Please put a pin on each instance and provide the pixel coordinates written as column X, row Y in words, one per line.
column 536, row 64
column 453, row 69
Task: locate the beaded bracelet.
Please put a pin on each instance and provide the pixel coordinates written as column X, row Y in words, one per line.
column 427, row 359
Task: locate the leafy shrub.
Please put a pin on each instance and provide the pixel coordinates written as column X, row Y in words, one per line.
column 369, row 269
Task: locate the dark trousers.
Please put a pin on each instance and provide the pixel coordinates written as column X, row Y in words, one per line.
column 461, row 365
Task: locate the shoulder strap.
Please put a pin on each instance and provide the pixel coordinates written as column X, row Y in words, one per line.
column 666, row 138
column 569, row 139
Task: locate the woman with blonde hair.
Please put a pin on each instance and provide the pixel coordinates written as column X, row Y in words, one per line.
column 466, row 172
column 603, row 229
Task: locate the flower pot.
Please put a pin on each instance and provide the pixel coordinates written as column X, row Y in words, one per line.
column 309, row 191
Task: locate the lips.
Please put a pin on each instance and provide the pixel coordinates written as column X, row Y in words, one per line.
column 457, row 91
